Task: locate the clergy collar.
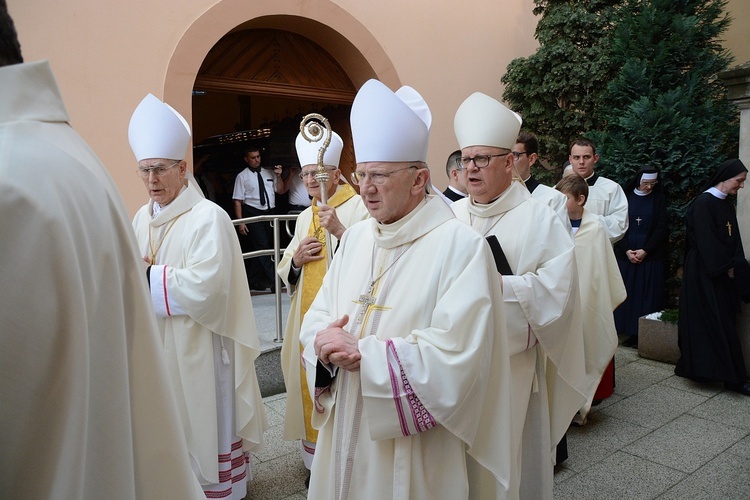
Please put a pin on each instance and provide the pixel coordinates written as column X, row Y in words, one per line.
column 429, row 214
column 156, row 209
column 641, row 193
column 591, row 180
column 712, row 190
column 457, row 191
column 21, row 82
column 508, row 200
column 531, row 184
column 390, row 230
column 188, row 197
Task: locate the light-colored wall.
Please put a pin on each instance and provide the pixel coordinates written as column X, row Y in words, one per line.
column 737, row 37
column 107, row 55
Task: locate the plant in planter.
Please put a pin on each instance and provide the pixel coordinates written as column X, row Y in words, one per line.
column 657, row 336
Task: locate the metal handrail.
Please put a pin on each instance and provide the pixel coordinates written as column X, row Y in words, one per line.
column 276, row 252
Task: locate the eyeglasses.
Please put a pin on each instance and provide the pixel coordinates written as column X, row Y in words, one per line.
column 517, row 154
column 376, row 178
column 159, row 169
column 649, row 183
column 312, row 173
column 480, row 161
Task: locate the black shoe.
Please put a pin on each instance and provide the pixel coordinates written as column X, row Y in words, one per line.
column 307, row 480
column 743, row 388
column 631, row 341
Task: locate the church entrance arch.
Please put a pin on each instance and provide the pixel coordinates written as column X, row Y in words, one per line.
column 253, row 81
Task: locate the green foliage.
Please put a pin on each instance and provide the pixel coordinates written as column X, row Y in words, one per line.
column 665, row 107
column 557, row 89
column 669, row 316
column 639, row 78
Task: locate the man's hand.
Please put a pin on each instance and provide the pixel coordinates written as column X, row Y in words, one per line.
column 330, row 221
column 336, row 346
column 307, row 251
column 242, row 229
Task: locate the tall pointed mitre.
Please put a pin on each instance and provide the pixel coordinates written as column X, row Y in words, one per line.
column 157, row 130
column 483, row 121
column 390, row 126
column 307, row 152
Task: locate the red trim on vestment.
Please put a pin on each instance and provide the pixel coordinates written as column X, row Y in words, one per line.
column 164, row 285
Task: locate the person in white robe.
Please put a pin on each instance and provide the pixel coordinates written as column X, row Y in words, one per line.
column 202, row 304
column 540, row 295
column 606, row 199
column 86, row 408
column 402, row 338
column 525, row 155
column 600, row 285
column 302, row 268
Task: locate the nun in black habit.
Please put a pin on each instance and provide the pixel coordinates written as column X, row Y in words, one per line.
column 716, row 277
column 642, row 252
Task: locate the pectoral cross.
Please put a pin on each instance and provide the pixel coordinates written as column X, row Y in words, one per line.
column 729, row 228
column 367, row 305
column 638, row 220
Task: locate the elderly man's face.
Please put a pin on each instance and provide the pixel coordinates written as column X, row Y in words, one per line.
column 390, row 190
column 312, row 185
column 486, row 184
column 163, row 178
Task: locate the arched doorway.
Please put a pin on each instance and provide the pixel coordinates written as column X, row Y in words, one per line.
column 254, row 86
column 334, row 30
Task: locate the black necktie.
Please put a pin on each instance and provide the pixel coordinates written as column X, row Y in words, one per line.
column 262, row 189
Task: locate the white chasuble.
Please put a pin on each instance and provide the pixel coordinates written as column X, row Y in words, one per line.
column 608, row 202
column 420, row 300
column 553, row 199
column 542, row 313
column 86, row 405
column 602, row 290
column 298, row 401
column 199, row 289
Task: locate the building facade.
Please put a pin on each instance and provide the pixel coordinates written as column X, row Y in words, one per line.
column 230, row 65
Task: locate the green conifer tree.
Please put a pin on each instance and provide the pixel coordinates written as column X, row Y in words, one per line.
column 665, row 107
column 557, row 89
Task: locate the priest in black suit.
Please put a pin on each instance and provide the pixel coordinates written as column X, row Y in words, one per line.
column 456, row 189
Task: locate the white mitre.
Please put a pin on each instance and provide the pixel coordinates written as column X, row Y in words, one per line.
column 307, row 152
column 390, row 126
column 483, row 121
column 158, row 131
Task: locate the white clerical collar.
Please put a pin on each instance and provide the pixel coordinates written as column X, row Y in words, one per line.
column 716, row 192
column 156, row 209
column 393, row 227
column 640, row 193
